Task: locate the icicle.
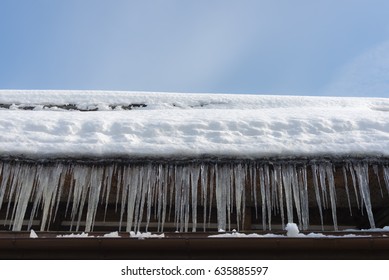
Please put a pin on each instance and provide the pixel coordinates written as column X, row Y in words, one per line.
column 6, row 179
column 253, row 174
column 122, row 184
column 274, row 192
column 303, row 186
column 187, row 202
column 287, row 184
column 349, row 166
column 13, row 182
column 82, row 179
column 177, row 197
column 48, row 177
column 132, row 186
column 376, row 172
column 361, row 171
column 346, row 188
column 204, row 192
column 119, row 186
column 183, row 199
column 317, row 193
column 386, row 177
column 83, row 183
column 268, row 194
column 144, row 189
column 24, row 190
column 221, row 203
column 212, row 188
column 109, row 170
column 331, row 186
column 172, row 180
column 96, row 179
column 322, row 177
column 62, row 173
column 165, row 187
column 150, row 191
column 4, row 175
column 227, row 182
column 263, row 196
column 180, row 198
column 296, row 191
column 138, row 198
column 239, row 194
column 71, row 188
column 194, row 176
column 159, row 195
column 243, row 197
column 278, row 182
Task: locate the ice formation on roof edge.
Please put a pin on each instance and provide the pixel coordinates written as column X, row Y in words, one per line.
column 168, row 191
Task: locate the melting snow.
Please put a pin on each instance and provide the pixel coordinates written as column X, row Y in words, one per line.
column 75, row 235
column 143, row 235
column 114, row 234
column 292, row 230
column 33, row 234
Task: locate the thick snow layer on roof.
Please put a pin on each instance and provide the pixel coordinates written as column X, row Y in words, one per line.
column 189, row 125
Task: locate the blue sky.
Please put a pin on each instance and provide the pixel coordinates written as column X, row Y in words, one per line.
column 300, row 47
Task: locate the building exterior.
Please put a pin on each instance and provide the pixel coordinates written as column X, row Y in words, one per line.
column 187, row 167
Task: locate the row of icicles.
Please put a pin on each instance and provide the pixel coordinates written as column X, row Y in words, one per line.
column 162, row 191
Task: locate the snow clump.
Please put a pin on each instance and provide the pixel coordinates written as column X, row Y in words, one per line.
column 292, row 230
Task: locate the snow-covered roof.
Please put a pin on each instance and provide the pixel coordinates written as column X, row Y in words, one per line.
column 139, row 124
